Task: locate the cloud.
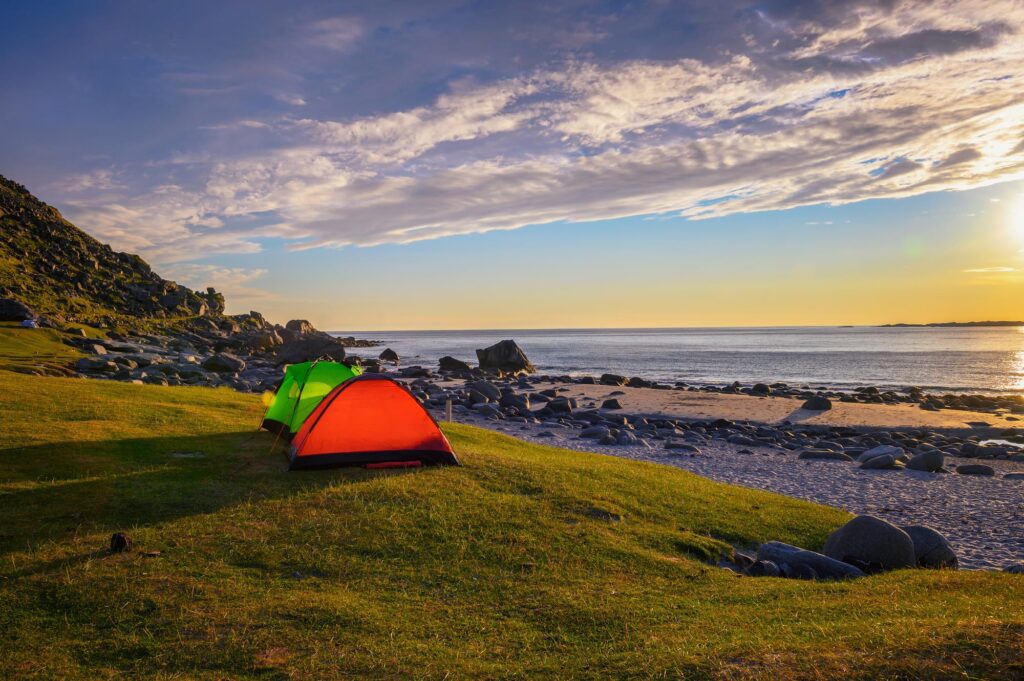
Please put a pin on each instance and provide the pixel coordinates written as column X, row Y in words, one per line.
column 335, row 33
column 992, row 270
column 293, row 100
column 880, row 100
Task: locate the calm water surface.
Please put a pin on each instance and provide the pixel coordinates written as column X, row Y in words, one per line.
column 955, row 359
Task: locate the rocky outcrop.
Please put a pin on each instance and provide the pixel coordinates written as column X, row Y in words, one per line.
column 505, row 358
column 14, row 311
column 309, row 348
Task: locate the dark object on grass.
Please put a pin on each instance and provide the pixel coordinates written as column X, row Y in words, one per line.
column 120, row 542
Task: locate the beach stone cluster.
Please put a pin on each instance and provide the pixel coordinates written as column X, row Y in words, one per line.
column 243, row 352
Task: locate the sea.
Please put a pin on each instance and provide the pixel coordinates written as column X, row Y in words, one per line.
column 961, row 359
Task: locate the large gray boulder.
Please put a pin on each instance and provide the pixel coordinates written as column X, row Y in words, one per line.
column 389, row 355
column 300, row 326
column 931, row 461
column 485, row 388
column 881, row 450
column 867, row 540
column 797, row 559
column 307, row 349
column 931, row 548
column 505, row 357
column 12, row 310
column 224, row 363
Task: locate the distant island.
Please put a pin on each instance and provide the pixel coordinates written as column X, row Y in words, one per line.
column 954, row 324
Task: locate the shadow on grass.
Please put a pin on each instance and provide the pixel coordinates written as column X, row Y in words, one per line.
column 56, row 491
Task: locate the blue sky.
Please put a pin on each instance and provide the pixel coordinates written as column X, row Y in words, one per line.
column 469, row 164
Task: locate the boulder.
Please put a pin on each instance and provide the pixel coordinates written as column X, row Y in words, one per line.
column 881, row 450
column 12, row 310
column 682, row 447
column 300, row 326
column 931, row 461
column 761, row 389
column 562, row 405
column 389, row 355
column 505, row 357
column 485, row 388
column 931, row 548
column 447, row 363
column 787, row 555
column 817, row 403
column 224, row 363
column 309, row 348
column 871, row 541
column 764, row 568
column 885, row 461
column 611, row 404
column 975, row 469
column 95, row 365
column 613, row 379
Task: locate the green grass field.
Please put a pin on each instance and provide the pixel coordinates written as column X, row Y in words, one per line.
column 525, row 562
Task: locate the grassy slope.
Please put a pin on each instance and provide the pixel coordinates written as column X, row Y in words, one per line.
column 33, row 350
column 508, row 566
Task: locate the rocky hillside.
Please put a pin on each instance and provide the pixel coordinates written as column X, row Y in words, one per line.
column 60, row 272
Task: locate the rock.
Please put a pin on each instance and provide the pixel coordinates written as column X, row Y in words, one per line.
column 931, row 548
column 871, row 541
column 95, row 365
column 682, row 447
column 881, row 462
column 451, row 364
column 261, row 340
column 300, row 326
column 520, row 402
column 881, row 450
column 1013, row 476
column 824, row 455
column 225, row 363
column 827, row 568
column 764, row 568
column 817, row 403
column 1015, row 569
column 612, row 379
column 611, row 404
column 562, row 405
column 487, row 389
column 388, row 355
column 931, row 461
column 310, row 348
column 505, row 357
column 761, row 389
column 975, row 469
column 594, row 432
column 12, row 310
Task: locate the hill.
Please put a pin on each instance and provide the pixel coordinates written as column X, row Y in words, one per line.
column 59, row 271
column 526, row 562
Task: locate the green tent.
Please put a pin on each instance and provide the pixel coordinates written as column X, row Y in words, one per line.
column 304, row 386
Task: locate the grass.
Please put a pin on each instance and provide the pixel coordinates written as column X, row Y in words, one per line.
column 526, row 562
column 34, row 351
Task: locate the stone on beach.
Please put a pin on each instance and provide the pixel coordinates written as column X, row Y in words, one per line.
column 930, row 548
column 975, row 469
column 224, row 363
column 504, row 357
column 871, row 541
column 388, row 355
column 931, row 461
column 817, row 403
column 611, row 404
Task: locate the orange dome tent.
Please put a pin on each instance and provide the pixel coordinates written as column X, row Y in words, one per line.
column 369, row 420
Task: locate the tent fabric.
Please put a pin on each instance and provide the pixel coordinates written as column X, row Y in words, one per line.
column 369, row 419
column 304, row 386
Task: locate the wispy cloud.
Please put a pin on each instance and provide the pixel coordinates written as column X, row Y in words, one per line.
column 931, row 92
column 992, row 270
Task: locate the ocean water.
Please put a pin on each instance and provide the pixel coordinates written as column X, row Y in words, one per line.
column 985, row 360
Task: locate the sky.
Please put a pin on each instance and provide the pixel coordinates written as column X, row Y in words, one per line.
column 454, row 164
